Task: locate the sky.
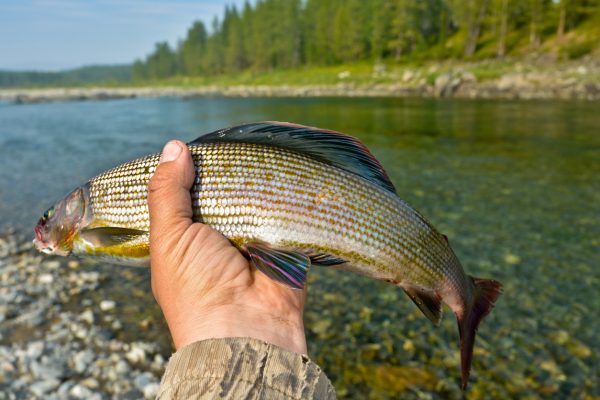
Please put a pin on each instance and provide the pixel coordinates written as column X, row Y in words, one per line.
column 54, row 35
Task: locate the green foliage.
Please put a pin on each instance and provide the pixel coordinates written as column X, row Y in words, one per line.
column 268, row 36
column 92, row 74
column 580, row 49
column 282, row 34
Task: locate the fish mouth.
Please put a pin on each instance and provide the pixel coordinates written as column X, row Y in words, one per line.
column 40, row 244
column 38, row 240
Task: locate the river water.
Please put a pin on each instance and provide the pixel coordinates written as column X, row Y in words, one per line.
column 514, row 185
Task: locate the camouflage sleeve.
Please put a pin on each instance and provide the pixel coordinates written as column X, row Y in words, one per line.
column 235, row 368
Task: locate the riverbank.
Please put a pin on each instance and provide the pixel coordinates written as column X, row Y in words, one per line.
column 479, row 80
column 60, row 339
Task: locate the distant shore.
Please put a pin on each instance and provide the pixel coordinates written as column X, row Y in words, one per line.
column 469, row 81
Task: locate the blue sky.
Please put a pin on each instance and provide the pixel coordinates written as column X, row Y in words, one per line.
column 61, row 34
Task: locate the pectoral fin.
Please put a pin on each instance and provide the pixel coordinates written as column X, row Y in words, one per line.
column 287, row 267
column 428, row 301
column 110, row 236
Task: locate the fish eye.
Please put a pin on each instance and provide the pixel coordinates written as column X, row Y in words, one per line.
column 49, row 213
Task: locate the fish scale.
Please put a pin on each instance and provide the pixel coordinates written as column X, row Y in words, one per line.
column 250, row 192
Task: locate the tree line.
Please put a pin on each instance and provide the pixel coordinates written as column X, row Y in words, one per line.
column 275, row 34
column 77, row 76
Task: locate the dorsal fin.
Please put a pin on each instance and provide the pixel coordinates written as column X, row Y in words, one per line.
column 338, row 149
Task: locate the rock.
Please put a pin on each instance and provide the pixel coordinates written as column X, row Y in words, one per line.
column 512, row 259
column 4, row 248
column 41, row 388
column 159, row 362
column 122, row 368
column 143, row 379
column 82, row 360
column 151, row 390
column 136, row 354
column 145, row 324
column 107, row 305
column 579, row 350
column 344, row 75
column 73, row 264
column 408, row 346
column 51, row 264
column 469, row 77
column 49, row 370
column 560, row 337
column 511, row 81
column 407, row 75
column 63, row 390
column 80, row 392
column 45, row 279
column 116, row 325
column 79, row 331
column 35, row 349
column 87, row 316
column 90, row 383
column 446, row 84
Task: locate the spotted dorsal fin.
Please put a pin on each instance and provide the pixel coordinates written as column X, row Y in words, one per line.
column 338, row 149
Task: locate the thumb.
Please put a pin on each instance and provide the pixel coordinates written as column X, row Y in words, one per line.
column 169, row 200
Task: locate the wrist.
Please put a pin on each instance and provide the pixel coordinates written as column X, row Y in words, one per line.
column 283, row 329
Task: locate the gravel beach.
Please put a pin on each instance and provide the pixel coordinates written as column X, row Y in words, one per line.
column 59, row 340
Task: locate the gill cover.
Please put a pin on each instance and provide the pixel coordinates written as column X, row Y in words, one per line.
column 56, row 229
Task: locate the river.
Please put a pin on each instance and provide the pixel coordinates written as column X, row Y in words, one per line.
column 515, row 186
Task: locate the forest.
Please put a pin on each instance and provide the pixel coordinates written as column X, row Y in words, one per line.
column 282, row 34
column 76, row 76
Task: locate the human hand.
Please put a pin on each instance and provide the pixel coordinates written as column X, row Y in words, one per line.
column 205, row 287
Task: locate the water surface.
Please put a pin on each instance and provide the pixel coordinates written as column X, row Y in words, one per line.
column 515, row 186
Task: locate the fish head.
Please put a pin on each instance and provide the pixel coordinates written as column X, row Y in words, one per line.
column 56, row 229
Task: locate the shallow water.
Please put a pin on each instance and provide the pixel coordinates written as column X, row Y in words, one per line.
column 515, row 186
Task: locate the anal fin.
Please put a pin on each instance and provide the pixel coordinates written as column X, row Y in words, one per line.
column 284, row 266
column 428, row 301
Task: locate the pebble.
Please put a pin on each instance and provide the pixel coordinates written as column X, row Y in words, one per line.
column 142, row 380
column 35, row 349
column 46, row 278
column 122, row 367
column 512, row 259
column 107, row 305
column 47, row 370
column 116, row 325
column 151, row 390
column 53, row 345
column 82, row 360
column 136, row 354
column 51, row 264
column 42, row 387
column 81, row 392
column 87, row 316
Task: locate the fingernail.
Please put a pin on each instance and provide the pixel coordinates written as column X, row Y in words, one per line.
column 171, row 151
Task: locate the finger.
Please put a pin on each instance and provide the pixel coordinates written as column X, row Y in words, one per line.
column 169, row 200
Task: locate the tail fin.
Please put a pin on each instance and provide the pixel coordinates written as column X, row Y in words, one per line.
column 485, row 293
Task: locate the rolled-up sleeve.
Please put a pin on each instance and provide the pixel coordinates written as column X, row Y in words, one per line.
column 242, row 368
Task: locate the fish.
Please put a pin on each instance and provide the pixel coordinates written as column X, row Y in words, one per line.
column 288, row 197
